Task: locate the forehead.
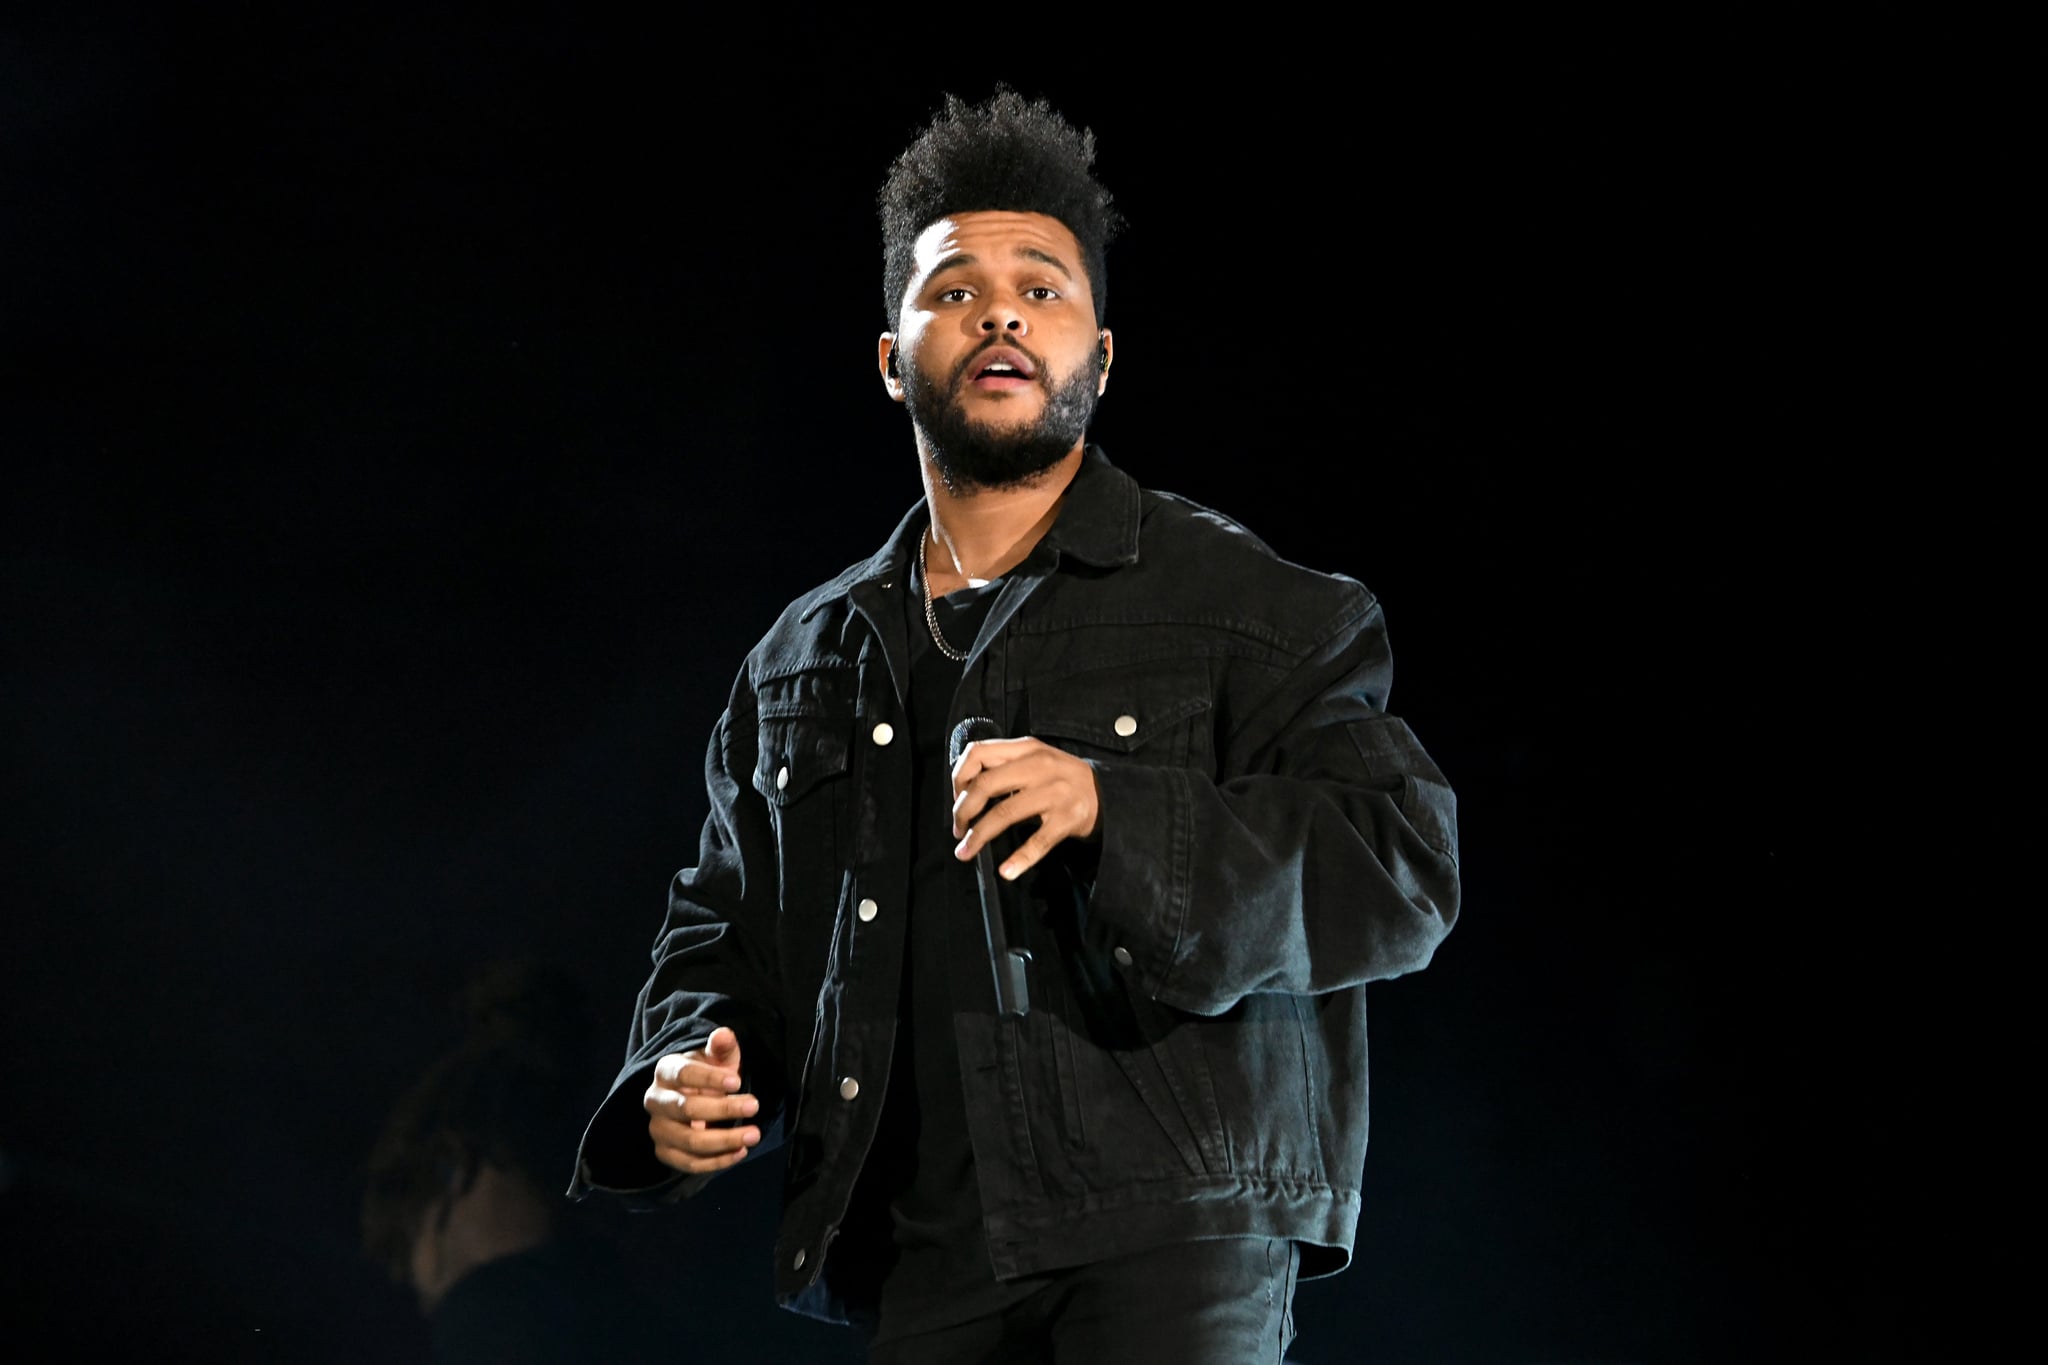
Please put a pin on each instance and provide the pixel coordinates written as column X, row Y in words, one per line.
column 996, row 236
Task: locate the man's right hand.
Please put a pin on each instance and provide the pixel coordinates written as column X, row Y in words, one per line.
column 692, row 1101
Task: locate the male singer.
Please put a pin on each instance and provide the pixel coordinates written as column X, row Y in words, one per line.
column 1064, row 1032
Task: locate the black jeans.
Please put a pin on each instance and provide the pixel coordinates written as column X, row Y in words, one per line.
column 1229, row 1301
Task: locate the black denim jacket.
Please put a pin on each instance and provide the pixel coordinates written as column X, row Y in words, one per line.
column 1194, row 1060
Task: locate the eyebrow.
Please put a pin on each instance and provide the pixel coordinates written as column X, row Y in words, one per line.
column 1055, row 262
column 1029, row 252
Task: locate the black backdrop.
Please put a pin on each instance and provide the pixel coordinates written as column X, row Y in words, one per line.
column 412, row 421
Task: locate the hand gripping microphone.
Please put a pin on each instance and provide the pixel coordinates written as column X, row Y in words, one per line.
column 1007, row 963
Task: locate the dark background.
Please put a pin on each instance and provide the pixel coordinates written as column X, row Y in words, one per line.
column 411, row 421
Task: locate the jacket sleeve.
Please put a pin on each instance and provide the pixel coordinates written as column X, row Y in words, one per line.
column 715, row 964
column 1322, row 855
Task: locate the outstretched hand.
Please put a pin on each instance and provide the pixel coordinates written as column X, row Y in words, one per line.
column 694, row 1108
column 1000, row 782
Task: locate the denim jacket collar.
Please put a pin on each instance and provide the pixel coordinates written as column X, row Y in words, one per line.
column 1097, row 524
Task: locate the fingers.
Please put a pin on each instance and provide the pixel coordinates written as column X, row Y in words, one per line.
column 724, row 1048
column 698, row 1148
column 696, row 1076
column 993, row 768
column 1028, row 853
column 1001, row 783
column 695, row 1117
column 714, row 1069
column 695, row 1110
column 994, row 818
column 699, row 1108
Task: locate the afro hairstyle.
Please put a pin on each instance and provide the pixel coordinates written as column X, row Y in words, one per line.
column 1007, row 153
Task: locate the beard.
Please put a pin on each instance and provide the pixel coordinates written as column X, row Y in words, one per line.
column 970, row 454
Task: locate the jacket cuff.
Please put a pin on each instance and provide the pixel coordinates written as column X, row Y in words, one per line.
column 1145, row 820
column 616, row 1155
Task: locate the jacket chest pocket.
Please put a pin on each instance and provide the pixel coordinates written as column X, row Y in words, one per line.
column 805, row 746
column 1157, row 714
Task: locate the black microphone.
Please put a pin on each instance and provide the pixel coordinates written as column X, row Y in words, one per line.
column 1007, row 963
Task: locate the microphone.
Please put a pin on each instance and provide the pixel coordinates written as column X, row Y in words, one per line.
column 1006, row 963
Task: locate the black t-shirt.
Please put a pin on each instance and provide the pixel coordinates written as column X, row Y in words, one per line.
column 913, row 1254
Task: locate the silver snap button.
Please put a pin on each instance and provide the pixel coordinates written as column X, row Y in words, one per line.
column 1122, row 956
column 868, row 910
column 781, row 777
column 1127, row 726
column 884, row 732
column 848, row 1088
column 798, row 1262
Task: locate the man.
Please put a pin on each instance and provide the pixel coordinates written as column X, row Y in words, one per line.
column 1210, row 835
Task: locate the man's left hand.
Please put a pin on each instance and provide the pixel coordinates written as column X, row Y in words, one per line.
column 999, row 782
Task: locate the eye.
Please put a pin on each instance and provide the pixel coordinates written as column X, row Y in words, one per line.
column 956, row 294
column 1044, row 293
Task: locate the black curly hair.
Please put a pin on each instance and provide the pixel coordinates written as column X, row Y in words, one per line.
column 1005, row 153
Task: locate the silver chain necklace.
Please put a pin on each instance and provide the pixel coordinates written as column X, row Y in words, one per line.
column 931, row 616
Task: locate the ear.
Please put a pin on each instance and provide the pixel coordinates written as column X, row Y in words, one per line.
column 885, row 353
column 1105, row 351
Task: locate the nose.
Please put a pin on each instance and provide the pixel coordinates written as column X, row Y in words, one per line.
column 1004, row 315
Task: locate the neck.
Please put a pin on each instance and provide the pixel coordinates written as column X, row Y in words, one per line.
column 983, row 533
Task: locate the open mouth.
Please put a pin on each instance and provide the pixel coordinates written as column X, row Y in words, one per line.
column 1001, row 367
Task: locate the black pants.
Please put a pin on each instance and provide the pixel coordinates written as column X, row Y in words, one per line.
column 1223, row 1302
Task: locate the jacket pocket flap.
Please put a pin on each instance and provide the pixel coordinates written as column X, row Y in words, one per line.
column 1116, row 709
column 797, row 753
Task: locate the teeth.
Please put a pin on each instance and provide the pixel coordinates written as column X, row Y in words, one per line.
column 1000, row 366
